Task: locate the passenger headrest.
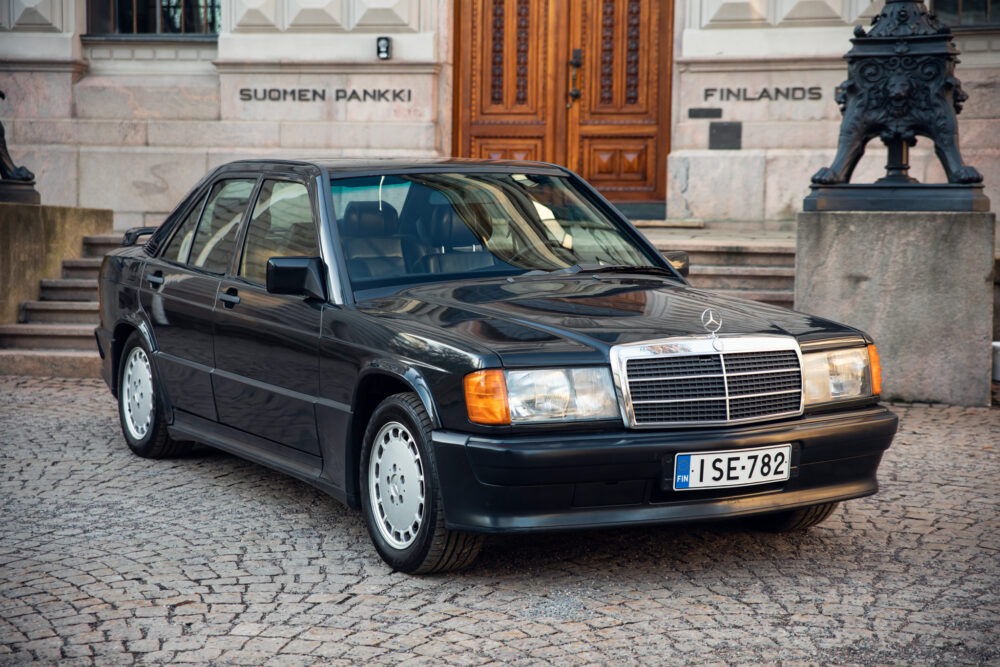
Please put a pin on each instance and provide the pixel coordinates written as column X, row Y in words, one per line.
column 435, row 228
column 364, row 219
column 443, row 227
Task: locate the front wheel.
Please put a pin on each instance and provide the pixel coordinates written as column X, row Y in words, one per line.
column 140, row 408
column 401, row 495
column 800, row 519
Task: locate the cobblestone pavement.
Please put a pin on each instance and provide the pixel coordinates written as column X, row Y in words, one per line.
column 107, row 558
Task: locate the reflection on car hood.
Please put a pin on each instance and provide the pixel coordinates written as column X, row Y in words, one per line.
column 576, row 319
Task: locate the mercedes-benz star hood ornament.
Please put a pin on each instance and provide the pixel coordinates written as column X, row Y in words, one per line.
column 711, row 320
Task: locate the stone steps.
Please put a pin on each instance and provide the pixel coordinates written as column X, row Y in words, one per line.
column 758, row 266
column 712, row 276
column 60, row 312
column 728, row 253
column 26, row 336
column 99, row 245
column 84, row 267
column 55, row 336
column 68, row 289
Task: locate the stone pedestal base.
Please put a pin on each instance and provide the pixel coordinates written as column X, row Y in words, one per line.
column 921, row 284
column 19, row 192
column 885, row 194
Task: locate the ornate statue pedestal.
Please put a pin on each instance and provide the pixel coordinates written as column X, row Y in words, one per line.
column 19, row 192
column 920, row 283
column 885, row 195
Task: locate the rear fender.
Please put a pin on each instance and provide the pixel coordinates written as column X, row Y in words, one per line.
column 123, row 329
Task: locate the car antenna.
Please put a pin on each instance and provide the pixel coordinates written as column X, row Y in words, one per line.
column 380, row 181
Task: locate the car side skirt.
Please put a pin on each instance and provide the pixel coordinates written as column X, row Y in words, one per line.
column 287, row 460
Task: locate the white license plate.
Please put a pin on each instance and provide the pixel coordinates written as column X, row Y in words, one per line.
column 737, row 467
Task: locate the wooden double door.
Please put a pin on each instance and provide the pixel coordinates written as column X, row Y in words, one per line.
column 583, row 83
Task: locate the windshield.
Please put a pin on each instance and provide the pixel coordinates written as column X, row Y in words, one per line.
column 414, row 228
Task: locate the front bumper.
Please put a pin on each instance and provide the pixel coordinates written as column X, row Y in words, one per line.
column 521, row 484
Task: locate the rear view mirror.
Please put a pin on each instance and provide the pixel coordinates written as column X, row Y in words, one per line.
column 298, row 276
column 679, row 260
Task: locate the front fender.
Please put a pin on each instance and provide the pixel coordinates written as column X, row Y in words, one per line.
column 408, row 374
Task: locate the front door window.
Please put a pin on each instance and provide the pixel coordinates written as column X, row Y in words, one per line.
column 281, row 226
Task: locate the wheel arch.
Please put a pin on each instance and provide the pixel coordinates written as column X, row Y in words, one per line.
column 376, row 383
column 119, row 334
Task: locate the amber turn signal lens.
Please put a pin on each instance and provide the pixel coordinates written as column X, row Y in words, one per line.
column 876, row 366
column 486, row 397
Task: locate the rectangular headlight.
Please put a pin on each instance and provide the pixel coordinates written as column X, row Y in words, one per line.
column 837, row 375
column 541, row 395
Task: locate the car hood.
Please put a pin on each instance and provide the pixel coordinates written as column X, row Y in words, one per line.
column 541, row 320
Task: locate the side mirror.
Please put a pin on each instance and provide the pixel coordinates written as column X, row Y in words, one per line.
column 679, row 260
column 298, row 276
column 132, row 235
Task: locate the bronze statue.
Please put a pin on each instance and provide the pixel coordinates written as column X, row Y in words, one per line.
column 901, row 84
column 16, row 183
column 8, row 170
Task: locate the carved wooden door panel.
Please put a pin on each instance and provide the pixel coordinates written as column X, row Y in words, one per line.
column 514, row 71
column 618, row 125
column 504, row 98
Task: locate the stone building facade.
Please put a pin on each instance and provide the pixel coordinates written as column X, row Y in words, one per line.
column 131, row 121
column 773, row 66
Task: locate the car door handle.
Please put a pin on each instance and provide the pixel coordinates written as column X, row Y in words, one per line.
column 155, row 280
column 229, row 298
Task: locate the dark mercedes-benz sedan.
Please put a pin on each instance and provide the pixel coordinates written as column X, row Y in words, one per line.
column 468, row 347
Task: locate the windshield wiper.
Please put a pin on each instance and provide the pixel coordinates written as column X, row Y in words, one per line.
column 602, row 268
column 615, row 268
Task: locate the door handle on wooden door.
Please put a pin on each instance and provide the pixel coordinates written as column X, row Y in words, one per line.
column 575, row 63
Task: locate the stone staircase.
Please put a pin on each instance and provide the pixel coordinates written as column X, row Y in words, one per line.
column 54, row 334
column 750, row 265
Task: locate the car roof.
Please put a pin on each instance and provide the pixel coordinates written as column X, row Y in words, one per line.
column 341, row 166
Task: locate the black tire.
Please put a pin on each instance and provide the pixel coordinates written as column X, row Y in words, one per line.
column 403, row 422
column 153, row 442
column 800, row 519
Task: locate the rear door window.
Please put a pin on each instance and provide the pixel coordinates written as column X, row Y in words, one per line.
column 213, row 242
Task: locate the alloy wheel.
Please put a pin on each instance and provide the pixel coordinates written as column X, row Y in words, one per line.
column 396, row 487
column 137, row 393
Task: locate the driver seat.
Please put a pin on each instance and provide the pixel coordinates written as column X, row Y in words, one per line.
column 454, row 248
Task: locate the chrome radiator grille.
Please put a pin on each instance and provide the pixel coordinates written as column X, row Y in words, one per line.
column 681, row 383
